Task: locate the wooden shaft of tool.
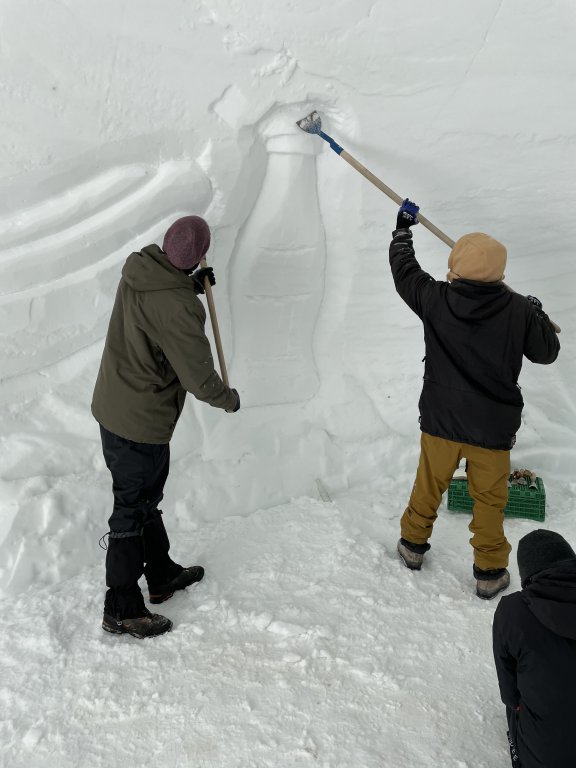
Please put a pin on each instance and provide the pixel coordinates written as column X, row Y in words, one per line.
column 397, row 199
column 215, row 328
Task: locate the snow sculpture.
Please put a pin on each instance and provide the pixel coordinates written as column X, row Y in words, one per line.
column 65, row 236
column 278, row 279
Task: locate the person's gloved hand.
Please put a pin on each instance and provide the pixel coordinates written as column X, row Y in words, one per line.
column 237, row 406
column 198, row 278
column 533, row 300
column 407, row 215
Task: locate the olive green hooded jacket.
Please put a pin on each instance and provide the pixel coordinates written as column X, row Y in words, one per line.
column 155, row 351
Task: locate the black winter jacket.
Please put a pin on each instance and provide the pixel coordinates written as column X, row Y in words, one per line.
column 534, row 635
column 475, row 335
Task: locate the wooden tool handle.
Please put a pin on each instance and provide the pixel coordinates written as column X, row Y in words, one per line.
column 397, row 199
column 215, row 328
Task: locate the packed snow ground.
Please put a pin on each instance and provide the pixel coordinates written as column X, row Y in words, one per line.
column 307, row 644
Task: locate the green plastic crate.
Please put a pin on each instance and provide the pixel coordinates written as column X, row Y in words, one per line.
column 522, row 500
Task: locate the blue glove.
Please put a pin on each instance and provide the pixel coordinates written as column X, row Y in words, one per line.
column 407, row 215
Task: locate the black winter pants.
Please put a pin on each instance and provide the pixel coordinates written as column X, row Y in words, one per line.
column 139, row 472
column 138, row 542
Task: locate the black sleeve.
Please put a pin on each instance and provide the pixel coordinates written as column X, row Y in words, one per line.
column 412, row 283
column 541, row 344
column 505, row 660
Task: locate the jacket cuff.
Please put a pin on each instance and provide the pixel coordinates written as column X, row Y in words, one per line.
column 404, row 232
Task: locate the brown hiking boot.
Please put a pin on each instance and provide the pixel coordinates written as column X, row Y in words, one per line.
column 147, row 625
column 161, row 592
column 490, row 583
column 412, row 555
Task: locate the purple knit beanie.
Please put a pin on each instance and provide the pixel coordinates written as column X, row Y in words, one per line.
column 186, row 242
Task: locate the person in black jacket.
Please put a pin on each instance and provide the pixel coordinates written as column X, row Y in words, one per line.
column 534, row 637
column 476, row 333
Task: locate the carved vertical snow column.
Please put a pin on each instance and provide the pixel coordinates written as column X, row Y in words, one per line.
column 278, row 280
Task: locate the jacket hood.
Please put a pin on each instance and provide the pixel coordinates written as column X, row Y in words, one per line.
column 150, row 270
column 541, row 550
column 476, row 301
column 477, row 256
column 551, row 597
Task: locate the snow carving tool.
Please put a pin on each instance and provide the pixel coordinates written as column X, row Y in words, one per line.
column 215, row 328
column 312, row 123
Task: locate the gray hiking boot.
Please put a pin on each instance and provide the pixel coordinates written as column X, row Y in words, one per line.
column 162, row 592
column 147, row 625
column 412, row 555
column 490, row 583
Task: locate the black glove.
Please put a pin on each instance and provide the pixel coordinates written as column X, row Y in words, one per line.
column 537, row 304
column 198, row 279
column 237, row 406
column 407, row 215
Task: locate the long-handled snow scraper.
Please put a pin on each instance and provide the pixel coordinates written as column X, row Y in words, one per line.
column 215, row 328
column 312, row 123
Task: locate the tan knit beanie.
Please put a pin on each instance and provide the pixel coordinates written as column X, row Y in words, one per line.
column 477, row 257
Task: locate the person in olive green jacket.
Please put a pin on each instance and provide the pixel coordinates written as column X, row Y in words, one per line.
column 156, row 351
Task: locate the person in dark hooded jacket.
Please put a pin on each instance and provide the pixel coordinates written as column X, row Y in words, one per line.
column 155, row 352
column 534, row 638
column 476, row 333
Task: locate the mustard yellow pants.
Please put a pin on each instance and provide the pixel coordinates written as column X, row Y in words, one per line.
column 488, row 472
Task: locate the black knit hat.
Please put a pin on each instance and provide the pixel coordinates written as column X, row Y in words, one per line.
column 540, row 550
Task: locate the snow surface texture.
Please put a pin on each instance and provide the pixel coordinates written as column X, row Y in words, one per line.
column 307, row 644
